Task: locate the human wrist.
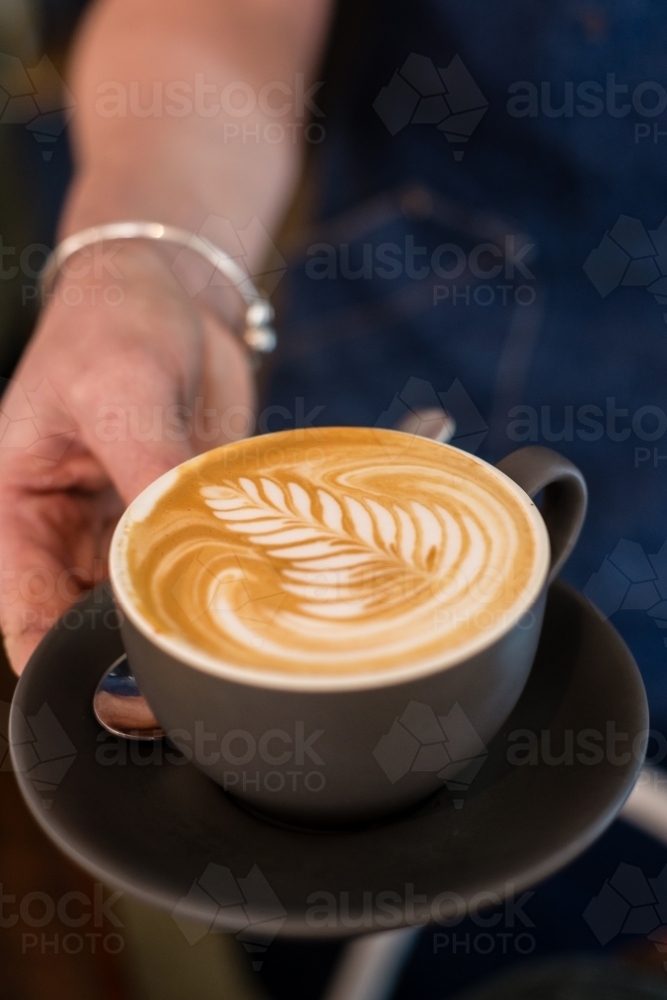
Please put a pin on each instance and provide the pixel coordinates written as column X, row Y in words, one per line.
column 137, row 299
column 201, row 266
column 109, row 273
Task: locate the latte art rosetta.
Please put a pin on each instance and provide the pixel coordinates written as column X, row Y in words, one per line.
column 360, row 550
column 342, row 558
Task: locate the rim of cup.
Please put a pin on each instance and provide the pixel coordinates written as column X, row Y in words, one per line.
column 189, row 655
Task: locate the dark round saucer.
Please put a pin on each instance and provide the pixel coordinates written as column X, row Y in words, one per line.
column 133, row 816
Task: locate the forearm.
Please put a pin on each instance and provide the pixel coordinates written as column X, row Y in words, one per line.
column 156, row 135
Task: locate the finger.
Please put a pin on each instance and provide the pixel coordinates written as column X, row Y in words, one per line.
column 31, row 600
column 52, row 549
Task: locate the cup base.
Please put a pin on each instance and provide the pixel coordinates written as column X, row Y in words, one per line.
column 325, row 824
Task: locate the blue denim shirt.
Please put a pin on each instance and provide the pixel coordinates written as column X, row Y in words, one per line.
column 489, row 187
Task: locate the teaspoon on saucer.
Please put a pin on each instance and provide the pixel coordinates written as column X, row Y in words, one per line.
column 118, row 703
column 121, row 708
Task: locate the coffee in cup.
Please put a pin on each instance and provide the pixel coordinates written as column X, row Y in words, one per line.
column 346, row 552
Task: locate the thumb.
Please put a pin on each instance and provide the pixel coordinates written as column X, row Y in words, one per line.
column 20, row 646
column 139, row 436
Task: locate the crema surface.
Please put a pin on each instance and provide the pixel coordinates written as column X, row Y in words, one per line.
column 330, row 550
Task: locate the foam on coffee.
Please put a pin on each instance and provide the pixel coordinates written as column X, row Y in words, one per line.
column 330, row 551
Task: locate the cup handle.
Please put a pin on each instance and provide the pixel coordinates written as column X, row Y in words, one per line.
column 565, row 495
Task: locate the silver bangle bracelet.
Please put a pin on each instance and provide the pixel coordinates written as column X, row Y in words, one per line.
column 258, row 335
